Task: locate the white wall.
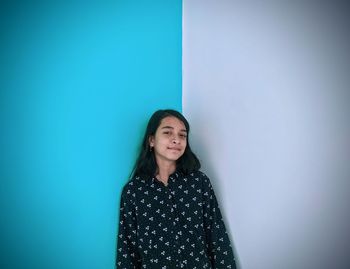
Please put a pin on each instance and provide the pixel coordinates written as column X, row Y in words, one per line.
column 265, row 88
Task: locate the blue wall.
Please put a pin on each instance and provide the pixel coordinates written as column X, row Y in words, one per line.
column 78, row 84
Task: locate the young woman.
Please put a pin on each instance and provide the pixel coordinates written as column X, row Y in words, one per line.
column 169, row 216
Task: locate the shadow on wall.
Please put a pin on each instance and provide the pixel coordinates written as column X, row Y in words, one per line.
column 209, row 169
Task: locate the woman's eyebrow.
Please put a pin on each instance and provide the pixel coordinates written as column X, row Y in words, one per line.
column 170, row 127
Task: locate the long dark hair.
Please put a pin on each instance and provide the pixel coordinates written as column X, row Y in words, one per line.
column 146, row 165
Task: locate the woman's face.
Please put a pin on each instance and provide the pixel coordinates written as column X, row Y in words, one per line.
column 170, row 140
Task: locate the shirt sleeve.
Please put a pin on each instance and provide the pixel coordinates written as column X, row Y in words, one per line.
column 127, row 254
column 217, row 241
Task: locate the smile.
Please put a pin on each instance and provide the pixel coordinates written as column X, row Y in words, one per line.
column 177, row 149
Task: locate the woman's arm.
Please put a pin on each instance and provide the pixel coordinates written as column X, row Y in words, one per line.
column 218, row 243
column 127, row 254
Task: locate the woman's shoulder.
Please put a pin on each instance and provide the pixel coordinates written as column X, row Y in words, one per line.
column 199, row 177
column 198, row 174
column 133, row 184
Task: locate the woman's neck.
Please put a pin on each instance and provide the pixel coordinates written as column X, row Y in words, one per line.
column 164, row 171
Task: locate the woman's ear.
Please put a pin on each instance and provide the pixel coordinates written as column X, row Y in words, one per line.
column 151, row 141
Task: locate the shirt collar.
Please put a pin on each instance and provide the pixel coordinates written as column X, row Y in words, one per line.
column 172, row 178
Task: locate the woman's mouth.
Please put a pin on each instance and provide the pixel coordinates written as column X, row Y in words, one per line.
column 177, row 149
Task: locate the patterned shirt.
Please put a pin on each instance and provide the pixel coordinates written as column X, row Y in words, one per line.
column 174, row 226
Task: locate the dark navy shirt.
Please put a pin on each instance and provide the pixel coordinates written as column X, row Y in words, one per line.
column 174, row 226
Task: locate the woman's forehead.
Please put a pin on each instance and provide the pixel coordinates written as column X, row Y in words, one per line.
column 171, row 123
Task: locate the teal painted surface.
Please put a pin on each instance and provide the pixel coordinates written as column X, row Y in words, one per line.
column 78, row 83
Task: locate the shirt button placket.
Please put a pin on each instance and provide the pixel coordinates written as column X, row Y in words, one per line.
column 172, row 213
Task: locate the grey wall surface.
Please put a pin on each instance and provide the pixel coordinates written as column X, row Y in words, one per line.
column 266, row 90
